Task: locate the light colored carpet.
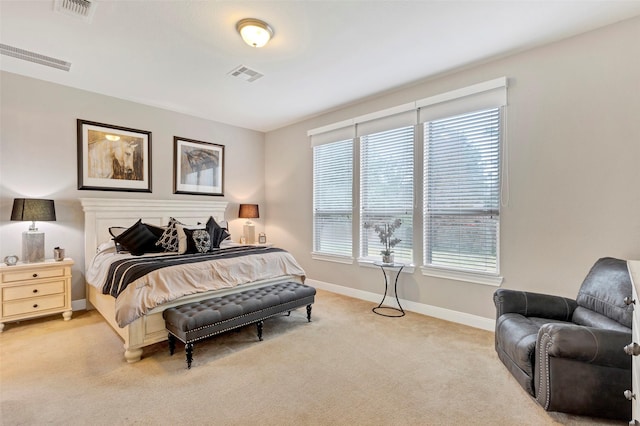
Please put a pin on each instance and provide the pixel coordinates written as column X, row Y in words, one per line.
column 348, row 366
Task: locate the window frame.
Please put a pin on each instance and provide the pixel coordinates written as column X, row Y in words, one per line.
column 487, row 94
column 471, row 133
column 328, row 255
column 364, row 236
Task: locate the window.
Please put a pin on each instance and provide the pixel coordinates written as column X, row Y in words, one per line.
column 377, row 175
column 332, row 198
column 386, row 190
column 462, row 191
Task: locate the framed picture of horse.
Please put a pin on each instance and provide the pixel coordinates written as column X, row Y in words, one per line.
column 113, row 158
column 198, row 167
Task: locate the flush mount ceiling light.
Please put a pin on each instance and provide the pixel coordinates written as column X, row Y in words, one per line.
column 254, row 32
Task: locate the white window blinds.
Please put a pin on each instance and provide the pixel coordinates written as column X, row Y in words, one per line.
column 332, row 198
column 386, row 190
column 462, row 191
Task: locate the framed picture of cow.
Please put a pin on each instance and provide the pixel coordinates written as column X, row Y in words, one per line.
column 113, row 158
column 198, row 167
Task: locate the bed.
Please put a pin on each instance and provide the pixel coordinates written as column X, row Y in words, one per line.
column 149, row 328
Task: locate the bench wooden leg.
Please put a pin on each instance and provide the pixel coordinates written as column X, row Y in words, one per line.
column 260, row 324
column 188, row 348
column 309, row 313
column 172, row 343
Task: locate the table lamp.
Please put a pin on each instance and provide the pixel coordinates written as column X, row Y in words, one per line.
column 249, row 211
column 25, row 209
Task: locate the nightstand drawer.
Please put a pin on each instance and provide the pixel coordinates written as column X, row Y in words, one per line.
column 32, row 290
column 8, row 277
column 33, row 305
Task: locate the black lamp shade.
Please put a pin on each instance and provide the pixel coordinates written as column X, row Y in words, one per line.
column 248, row 211
column 30, row 209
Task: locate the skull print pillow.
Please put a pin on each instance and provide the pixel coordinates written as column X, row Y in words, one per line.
column 198, row 240
column 202, row 240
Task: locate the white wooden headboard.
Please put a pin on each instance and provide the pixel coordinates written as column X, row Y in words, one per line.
column 101, row 213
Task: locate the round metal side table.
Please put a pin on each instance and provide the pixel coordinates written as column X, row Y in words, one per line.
column 395, row 312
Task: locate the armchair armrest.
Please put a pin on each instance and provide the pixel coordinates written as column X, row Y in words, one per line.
column 584, row 344
column 533, row 304
column 582, row 370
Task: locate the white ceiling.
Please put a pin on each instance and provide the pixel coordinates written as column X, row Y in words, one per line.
column 325, row 54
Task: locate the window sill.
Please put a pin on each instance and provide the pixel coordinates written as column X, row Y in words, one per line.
column 347, row 260
column 472, row 277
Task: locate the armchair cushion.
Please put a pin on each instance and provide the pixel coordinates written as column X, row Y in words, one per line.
column 517, row 345
column 583, row 316
column 533, row 304
column 604, row 289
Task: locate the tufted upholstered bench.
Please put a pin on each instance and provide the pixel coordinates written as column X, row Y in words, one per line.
column 199, row 320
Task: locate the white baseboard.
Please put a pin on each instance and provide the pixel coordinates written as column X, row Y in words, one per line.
column 79, row 305
column 420, row 308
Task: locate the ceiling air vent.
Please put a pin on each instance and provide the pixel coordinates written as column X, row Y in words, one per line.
column 245, row 73
column 83, row 9
column 37, row 58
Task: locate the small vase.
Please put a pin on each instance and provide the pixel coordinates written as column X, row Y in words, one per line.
column 387, row 258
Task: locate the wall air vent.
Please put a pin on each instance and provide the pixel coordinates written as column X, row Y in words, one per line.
column 245, row 73
column 83, row 9
column 37, row 58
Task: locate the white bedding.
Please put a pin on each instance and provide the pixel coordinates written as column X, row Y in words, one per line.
column 168, row 284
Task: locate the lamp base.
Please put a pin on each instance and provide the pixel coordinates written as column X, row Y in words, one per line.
column 250, row 233
column 32, row 246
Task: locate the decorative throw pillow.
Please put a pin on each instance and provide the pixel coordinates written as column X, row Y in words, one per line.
column 211, row 225
column 170, row 237
column 116, row 231
column 198, row 240
column 137, row 239
column 185, row 242
column 156, row 230
column 217, row 233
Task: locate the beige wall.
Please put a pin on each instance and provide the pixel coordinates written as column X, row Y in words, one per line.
column 38, row 159
column 573, row 130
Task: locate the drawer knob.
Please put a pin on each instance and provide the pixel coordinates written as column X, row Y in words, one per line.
column 632, row 349
column 35, row 305
column 35, row 290
column 35, row 275
column 629, row 301
column 629, row 395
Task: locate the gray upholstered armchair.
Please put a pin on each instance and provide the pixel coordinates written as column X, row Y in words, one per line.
column 566, row 353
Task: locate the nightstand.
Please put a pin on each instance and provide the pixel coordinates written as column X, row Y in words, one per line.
column 31, row 290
